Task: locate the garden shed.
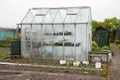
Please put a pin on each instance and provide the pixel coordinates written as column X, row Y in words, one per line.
column 102, row 36
column 56, row 33
column 118, row 34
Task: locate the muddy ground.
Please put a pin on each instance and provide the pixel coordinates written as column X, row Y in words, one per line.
column 32, row 72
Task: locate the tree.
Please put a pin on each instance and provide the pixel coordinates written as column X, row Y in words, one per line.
column 95, row 24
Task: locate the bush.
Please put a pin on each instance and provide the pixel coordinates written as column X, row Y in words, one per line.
column 4, row 55
column 118, row 45
column 17, row 36
column 5, row 45
column 69, row 63
column 117, row 41
column 98, row 49
column 95, row 46
column 105, row 48
column 8, row 37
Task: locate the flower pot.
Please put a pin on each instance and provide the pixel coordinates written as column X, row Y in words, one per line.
column 62, row 62
column 86, row 62
column 98, row 65
column 76, row 63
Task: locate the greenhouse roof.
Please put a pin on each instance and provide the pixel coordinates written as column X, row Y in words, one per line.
column 57, row 15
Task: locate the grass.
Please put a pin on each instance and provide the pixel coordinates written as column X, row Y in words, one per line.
column 4, row 53
column 4, row 56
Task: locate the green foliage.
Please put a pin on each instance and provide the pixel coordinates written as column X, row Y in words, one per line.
column 4, row 55
column 104, row 72
column 117, row 41
column 8, row 37
column 17, row 36
column 85, row 72
column 118, row 45
column 5, row 45
column 87, row 68
column 95, row 46
column 69, row 63
column 95, row 24
column 105, row 48
column 97, row 49
column 103, row 79
column 110, row 23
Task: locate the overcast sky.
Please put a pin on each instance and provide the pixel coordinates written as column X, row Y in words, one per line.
column 13, row 11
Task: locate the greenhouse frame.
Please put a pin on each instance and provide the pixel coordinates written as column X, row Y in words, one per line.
column 57, row 33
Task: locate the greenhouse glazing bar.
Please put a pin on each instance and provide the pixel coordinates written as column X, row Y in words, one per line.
column 48, row 23
column 60, row 7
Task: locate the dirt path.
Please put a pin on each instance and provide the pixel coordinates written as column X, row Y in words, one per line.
column 115, row 66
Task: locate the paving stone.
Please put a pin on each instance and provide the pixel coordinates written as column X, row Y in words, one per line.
column 115, row 67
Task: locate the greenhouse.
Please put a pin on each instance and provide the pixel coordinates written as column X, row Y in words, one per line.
column 56, row 33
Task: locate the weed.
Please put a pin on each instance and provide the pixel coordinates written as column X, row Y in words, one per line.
column 85, row 72
column 69, row 63
column 4, row 55
column 103, row 79
column 104, row 72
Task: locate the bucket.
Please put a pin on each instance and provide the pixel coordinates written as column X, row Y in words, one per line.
column 98, row 65
column 62, row 62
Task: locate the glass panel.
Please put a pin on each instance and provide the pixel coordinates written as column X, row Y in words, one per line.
column 70, row 19
column 81, row 36
column 72, row 11
column 82, row 16
column 40, row 12
column 28, row 18
column 50, row 16
column 60, row 16
column 36, row 41
column 39, row 15
column 69, row 42
column 58, row 41
column 48, row 40
column 38, row 19
column 71, row 15
column 26, row 41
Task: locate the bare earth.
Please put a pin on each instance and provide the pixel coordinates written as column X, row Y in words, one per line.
column 15, row 72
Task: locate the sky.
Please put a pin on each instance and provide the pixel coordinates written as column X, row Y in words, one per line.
column 13, row 11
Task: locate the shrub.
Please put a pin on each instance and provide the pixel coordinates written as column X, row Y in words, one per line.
column 8, row 37
column 98, row 49
column 17, row 36
column 69, row 63
column 105, row 48
column 117, row 41
column 5, row 45
column 94, row 46
column 118, row 45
